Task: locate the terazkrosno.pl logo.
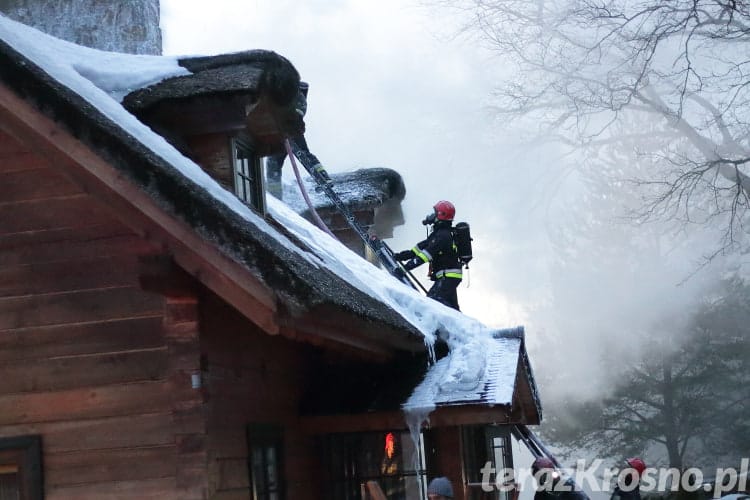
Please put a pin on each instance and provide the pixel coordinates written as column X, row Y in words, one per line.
column 595, row 477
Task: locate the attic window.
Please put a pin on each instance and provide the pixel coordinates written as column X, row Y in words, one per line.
column 248, row 176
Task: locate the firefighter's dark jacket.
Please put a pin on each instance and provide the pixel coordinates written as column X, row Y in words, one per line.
column 439, row 250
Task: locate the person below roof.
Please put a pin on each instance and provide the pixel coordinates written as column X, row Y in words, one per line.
column 441, row 252
column 275, row 162
column 551, row 485
column 628, row 487
column 440, row 488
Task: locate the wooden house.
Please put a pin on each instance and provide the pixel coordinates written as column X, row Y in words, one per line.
column 159, row 339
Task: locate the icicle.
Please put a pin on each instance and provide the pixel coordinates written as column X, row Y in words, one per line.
column 430, row 352
column 415, row 418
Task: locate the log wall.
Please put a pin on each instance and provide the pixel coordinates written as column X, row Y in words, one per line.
column 253, row 378
column 88, row 360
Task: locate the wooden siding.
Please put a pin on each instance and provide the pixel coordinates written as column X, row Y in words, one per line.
column 213, row 153
column 252, row 378
column 88, row 360
column 448, row 458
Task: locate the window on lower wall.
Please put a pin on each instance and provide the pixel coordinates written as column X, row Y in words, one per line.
column 265, row 444
column 391, row 459
column 248, row 175
column 21, row 468
column 486, row 445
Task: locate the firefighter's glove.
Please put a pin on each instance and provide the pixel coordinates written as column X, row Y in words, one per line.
column 405, row 255
column 412, row 263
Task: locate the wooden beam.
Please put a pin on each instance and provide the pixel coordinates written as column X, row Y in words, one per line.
column 345, row 328
column 203, row 259
column 445, row 416
column 363, row 422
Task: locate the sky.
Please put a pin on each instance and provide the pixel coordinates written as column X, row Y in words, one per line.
column 391, row 86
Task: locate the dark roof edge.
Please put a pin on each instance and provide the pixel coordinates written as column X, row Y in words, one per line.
column 516, row 332
column 280, row 79
column 195, row 64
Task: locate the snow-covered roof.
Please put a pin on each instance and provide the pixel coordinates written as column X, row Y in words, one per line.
column 362, row 189
column 485, row 372
column 223, row 74
column 81, row 90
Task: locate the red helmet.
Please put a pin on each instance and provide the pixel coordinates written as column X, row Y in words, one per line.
column 542, row 463
column 444, row 210
column 636, row 463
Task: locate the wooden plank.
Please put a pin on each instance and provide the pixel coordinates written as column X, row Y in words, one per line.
column 38, row 184
column 9, row 144
column 238, row 494
column 232, row 473
column 96, row 466
column 146, row 489
column 228, row 441
column 20, row 161
column 71, row 275
column 62, row 244
column 77, row 307
column 93, row 370
column 82, row 338
column 71, row 211
column 110, row 401
column 150, row 429
column 192, row 471
column 373, row 421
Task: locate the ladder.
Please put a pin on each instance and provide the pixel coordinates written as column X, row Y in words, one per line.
column 386, row 257
column 379, row 248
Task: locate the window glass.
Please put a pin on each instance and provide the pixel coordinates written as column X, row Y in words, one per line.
column 486, row 445
column 9, row 487
column 248, row 178
column 21, row 468
column 265, row 444
column 392, row 459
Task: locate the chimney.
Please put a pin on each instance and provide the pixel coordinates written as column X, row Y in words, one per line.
column 130, row 27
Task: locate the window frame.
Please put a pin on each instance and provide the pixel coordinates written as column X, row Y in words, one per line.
column 25, row 453
column 479, row 447
column 346, row 449
column 247, row 175
column 266, row 437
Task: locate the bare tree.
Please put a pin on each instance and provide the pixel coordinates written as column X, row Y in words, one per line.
column 686, row 396
column 590, row 73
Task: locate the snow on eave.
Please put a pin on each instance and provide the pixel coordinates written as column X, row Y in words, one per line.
column 364, row 188
column 454, row 381
column 224, row 74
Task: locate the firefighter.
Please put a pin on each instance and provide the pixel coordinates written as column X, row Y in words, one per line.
column 550, row 483
column 628, row 487
column 441, row 252
column 275, row 162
